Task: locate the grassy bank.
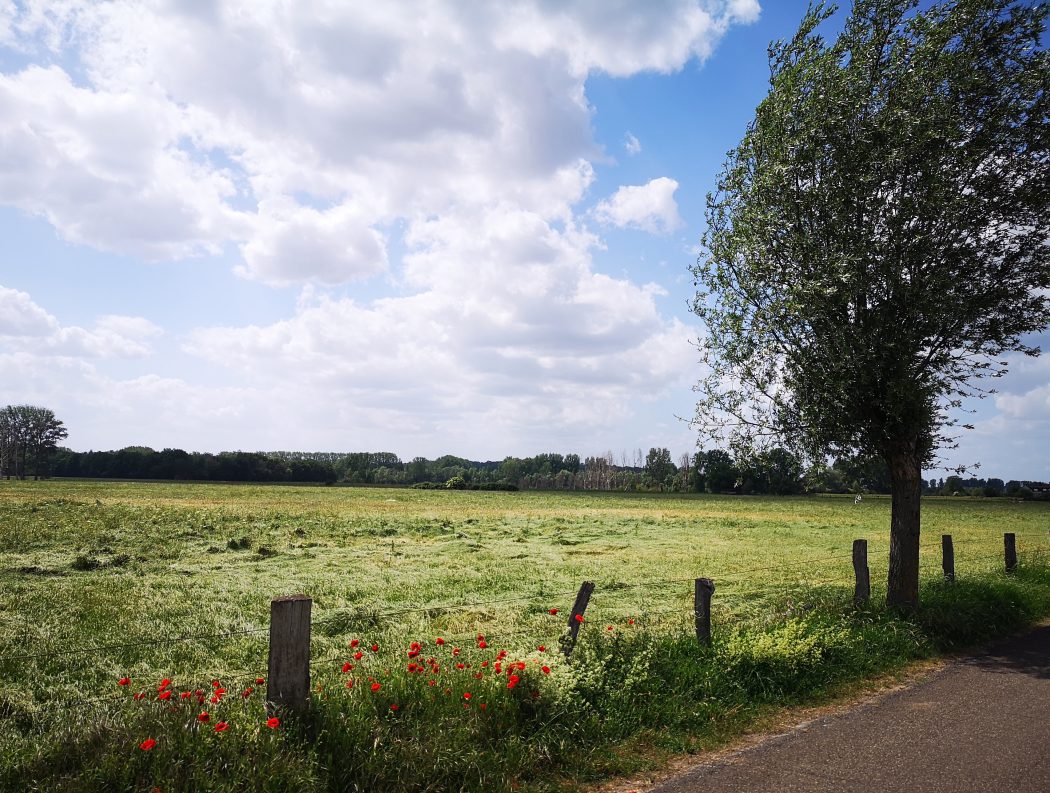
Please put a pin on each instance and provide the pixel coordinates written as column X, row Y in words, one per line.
column 127, row 569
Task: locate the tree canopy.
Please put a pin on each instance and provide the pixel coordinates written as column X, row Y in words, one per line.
column 879, row 240
column 28, row 437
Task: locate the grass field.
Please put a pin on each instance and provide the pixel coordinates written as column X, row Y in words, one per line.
column 99, row 579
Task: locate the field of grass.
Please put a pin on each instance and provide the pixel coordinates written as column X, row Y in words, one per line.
column 100, row 581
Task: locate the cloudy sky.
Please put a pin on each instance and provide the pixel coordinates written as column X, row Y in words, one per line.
column 426, row 228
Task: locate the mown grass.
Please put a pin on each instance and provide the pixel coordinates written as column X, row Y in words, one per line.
column 127, row 568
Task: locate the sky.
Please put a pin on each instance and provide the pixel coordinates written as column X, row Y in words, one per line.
column 426, row 228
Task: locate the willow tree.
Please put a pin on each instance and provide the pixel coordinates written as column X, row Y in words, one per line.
column 880, row 240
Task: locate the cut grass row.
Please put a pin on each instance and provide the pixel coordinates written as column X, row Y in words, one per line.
column 97, row 565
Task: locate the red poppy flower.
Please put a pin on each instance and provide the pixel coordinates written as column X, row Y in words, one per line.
column 432, row 682
column 220, row 691
column 466, row 695
column 499, row 666
column 545, row 669
column 483, row 706
column 215, row 684
column 247, row 692
column 608, row 627
column 347, row 667
column 455, row 651
column 394, row 707
column 164, row 684
column 376, row 686
column 375, row 648
column 439, row 641
column 164, row 695
column 221, row 726
column 185, row 695
column 502, row 655
column 484, row 663
column 123, row 681
column 140, row 695
column 553, row 611
column 204, row 717
column 358, row 655
column 482, row 644
column 520, row 665
column 349, row 683
column 630, row 621
column 260, row 680
column 147, row 744
column 354, row 642
column 460, row 665
column 542, row 648
column 479, row 675
column 214, row 699
column 578, row 618
column 273, row 723
column 512, row 681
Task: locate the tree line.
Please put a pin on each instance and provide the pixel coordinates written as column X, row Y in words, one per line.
column 29, row 437
column 714, row 471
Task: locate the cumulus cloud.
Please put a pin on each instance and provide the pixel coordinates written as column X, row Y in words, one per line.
column 542, row 335
column 445, row 146
column 26, row 327
column 176, row 128
column 631, row 144
column 650, row 207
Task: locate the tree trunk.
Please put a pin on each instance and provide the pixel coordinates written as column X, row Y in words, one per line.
column 902, row 589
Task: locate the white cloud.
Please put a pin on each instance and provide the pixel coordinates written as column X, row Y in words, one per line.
column 632, row 144
column 509, row 322
column 295, row 243
column 188, row 123
column 1033, row 404
column 650, row 207
column 20, row 316
column 25, row 326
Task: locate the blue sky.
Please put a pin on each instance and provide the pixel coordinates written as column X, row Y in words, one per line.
column 464, row 230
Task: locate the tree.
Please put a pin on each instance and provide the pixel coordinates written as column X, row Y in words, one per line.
column 879, row 239
column 716, row 469
column 28, row 437
column 658, row 466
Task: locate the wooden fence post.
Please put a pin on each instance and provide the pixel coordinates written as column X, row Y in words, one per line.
column 288, row 680
column 583, row 597
column 704, row 589
column 1010, row 548
column 862, row 591
column 948, row 557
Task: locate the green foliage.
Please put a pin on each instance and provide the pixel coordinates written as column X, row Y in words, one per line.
column 29, row 436
column 877, row 241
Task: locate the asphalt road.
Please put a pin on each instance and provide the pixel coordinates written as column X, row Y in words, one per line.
column 980, row 724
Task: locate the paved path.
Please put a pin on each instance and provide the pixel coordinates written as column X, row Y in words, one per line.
column 981, row 724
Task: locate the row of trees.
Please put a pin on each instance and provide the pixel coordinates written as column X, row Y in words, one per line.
column 29, row 436
column 776, row 471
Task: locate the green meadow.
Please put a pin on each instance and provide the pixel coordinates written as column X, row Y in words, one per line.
column 103, row 581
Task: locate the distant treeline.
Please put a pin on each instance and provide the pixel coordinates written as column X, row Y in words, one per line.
column 776, row 471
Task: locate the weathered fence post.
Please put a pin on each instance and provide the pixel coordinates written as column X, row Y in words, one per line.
column 948, row 557
column 705, row 588
column 288, row 678
column 862, row 591
column 1010, row 548
column 583, row 597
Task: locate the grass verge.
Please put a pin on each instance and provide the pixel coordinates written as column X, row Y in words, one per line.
column 499, row 719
